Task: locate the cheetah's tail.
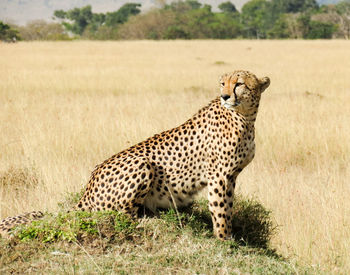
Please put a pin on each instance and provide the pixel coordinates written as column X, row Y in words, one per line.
column 10, row 222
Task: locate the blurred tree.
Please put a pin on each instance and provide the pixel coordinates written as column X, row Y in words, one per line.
column 293, row 30
column 225, row 26
column 8, row 33
column 122, row 15
column 227, row 7
column 193, row 4
column 4, row 28
column 78, row 18
column 256, row 18
column 343, row 9
column 189, row 19
column 293, row 6
column 82, row 21
column 183, row 6
column 197, row 22
column 309, row 5
column 303, row 23
column 320, row 30
column 280, row 29
column 313, row 29
column 176, row 32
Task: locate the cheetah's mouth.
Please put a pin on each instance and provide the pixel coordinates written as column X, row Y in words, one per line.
column 229, row 105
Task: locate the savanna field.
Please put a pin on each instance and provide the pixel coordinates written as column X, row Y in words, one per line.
column 67, row 106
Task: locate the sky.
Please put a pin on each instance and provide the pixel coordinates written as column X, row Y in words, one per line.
column 21, row 12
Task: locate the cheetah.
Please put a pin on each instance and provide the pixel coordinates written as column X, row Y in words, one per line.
column 167, row 170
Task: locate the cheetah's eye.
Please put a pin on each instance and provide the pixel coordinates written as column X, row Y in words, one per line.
column 222, row 84
column 239, row 84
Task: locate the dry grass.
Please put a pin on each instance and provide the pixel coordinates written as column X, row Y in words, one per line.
column 65, row 107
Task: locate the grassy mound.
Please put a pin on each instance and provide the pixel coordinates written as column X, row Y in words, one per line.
column 173, row 242
column 252, row 224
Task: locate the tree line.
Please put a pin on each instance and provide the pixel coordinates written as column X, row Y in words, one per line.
column 189, row 19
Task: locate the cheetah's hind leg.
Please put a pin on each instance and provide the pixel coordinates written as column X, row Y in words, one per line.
column 136, row 189
column 123, row 189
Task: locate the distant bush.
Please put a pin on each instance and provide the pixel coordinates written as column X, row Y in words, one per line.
column 321, row 30
column 42, row 30
column 156, row 24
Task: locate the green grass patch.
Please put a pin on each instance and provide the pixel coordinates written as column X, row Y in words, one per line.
column 78, row 226
column 220, row 63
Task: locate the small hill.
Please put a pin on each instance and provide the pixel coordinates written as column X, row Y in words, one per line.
column 172, row 242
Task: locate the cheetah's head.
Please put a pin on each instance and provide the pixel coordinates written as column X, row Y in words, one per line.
column 241, row 90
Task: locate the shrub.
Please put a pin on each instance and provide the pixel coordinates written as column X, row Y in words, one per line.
column 321, row 30
column 42, row 30
column 252, row 223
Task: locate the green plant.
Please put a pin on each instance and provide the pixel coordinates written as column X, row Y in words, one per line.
column 71, row 199
column 252, row 223
column 76, row 226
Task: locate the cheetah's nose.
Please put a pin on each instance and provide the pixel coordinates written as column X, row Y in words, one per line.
column 225, row 97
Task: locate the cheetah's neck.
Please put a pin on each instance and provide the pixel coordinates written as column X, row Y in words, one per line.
column 249, row 114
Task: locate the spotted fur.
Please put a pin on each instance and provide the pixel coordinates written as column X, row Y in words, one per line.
column 168, row 169
column 7, row 224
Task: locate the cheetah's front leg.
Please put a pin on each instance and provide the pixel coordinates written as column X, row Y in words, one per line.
column 220, row 196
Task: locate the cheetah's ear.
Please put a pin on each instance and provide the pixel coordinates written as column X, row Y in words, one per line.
column 264, row 83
